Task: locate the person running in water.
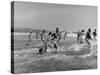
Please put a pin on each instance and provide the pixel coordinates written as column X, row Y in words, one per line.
column 54, row 39
column 49, row 41
column 45, row 43
column 78, row 36
column 42, row 35
column 88, row 37
column 37, row 35
column 65, row 35
column 94, row 34
column 81, row 37
column 29, row 38
column 58, row 35
column 44, row 47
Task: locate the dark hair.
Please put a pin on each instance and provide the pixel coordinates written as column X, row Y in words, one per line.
column 82, row 30
column 57, row 29
column 89, row 29
column 50, row 33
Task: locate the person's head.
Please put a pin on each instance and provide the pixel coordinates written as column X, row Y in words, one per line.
column 57, row 29
column 82, row 30
column 89, row 30
column 95, row 30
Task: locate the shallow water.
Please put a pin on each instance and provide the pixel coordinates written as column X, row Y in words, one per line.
column 68, row 56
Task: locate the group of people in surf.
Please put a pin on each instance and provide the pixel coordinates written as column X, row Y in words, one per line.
column 88, row 36
column 52, row 38
column 48, row 39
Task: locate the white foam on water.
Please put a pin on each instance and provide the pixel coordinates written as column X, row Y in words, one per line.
column 58, row 50
column 93, row 51
column 50, row 50
column 71, row 35
column 22, row 33
column 63, row 57
column 39, row 44
column 93, row 43
column 31, row 50
column 76, row 47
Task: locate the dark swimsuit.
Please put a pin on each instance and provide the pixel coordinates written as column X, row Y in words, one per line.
column 88, row 36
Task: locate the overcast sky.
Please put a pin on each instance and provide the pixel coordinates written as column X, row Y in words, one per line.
column 50, row 16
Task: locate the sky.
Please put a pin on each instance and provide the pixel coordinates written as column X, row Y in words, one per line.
column 49, row 16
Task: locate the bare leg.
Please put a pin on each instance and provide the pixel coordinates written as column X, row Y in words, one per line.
column 88, row 43
column 55, row 46
column 45, row 47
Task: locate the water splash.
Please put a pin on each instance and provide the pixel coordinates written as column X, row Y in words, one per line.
column 76, row 47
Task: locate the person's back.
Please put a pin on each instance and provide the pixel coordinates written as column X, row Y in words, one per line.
column 94, row 33
column 49, row 35
column 57, row 30
column 53, row 35
column 88, row 35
